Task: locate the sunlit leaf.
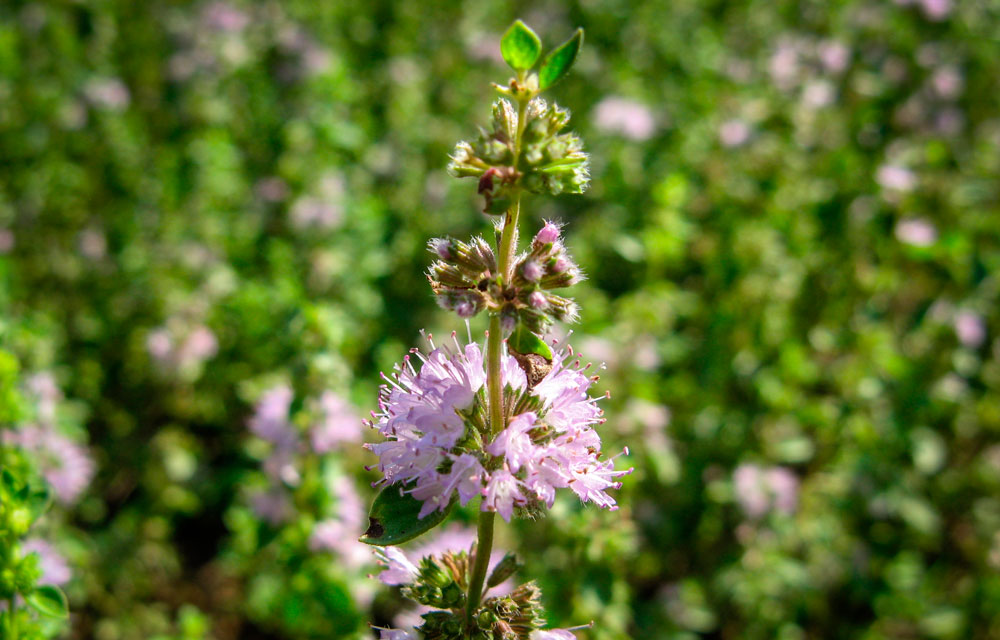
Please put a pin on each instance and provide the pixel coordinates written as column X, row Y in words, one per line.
column 559, row 61
column 394, row 518
column 49, row 601
column 520, row 46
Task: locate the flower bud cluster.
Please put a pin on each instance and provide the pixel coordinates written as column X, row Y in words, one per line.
column 549, row 161
column 464, row 276
column 440, row 581
column 546, row 266
column 553, row 162
column 465, row 280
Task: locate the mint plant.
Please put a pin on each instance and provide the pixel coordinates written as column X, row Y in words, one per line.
column 509, row 425
column 30, row 607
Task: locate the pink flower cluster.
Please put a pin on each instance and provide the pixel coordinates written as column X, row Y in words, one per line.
column 65, row 464
column 335, row 423
column 435, row 419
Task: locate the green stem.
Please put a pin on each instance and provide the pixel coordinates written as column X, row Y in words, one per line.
column 484, row 548
column 508, row 244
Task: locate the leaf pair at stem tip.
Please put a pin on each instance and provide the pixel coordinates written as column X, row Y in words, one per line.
column 521, row 49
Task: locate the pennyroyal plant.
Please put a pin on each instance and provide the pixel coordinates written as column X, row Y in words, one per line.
column 511, row 424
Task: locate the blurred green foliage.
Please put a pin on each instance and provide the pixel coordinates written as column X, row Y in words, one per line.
column 793, row 251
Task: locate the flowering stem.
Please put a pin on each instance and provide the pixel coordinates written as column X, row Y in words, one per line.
column 484, row 547
column 508, row 240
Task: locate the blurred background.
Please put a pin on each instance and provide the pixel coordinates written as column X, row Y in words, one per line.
column 213, row 219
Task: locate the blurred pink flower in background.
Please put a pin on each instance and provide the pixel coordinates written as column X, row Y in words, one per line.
column 55, row 570
column 947, row 82
column 222, row 16
column 107, row 93
column 628, row 118
column 65, row 465
column 916, row 232
column 834, row 55
column 895, row 178
column 970, row 328
column 92, row 244
column 272, row 505
column 339, row 423
column 339, row 534
column 181, row 352
column 760, row 490
column 271, row 189
column 733, row 133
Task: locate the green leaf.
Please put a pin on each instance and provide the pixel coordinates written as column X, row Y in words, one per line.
column 520, row 46
column 393, row 518
column 532, row 354
column 524, row 342
column 559, row 61
column 49, row 601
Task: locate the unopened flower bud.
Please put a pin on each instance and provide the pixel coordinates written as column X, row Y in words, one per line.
column 465, row 309
column 549, row 234
column 561, row 264
column 507, row 323
column 537, row 300
column 442, row 247
column 532, row 271
column 504, row 569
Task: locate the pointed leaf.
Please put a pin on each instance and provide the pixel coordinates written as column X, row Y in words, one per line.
column 559, row 61
column 524, row 342
column 520, row 46
column 49, row 601
column 532, row 354
column 394, row 518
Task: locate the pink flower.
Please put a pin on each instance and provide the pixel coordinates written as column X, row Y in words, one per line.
column 733, row 133
column 64, row 464
column 631, row 119
column 834, row 56
column 435, row 417
column 548, row 234
column 339, row 423
column 55, row 569
column 761, row 490
column 936, row 10
column 7, row 241
column 970, row 328
column 916, row 232
column 398, row 568
column 396, row 634
column 531, row 271
column 270, row 419
column 339, row 534
column 221, row 16
column 502, row 494
column 552, row 634
column 107, row 93
column 947, row 82
column 896, row 178
column 272, row 505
